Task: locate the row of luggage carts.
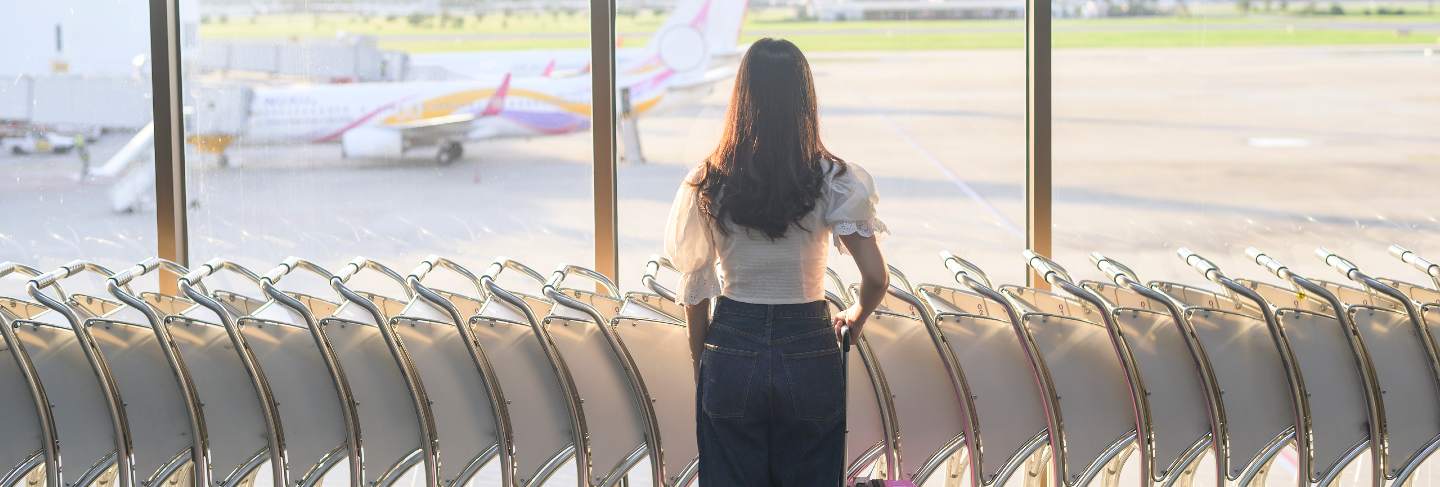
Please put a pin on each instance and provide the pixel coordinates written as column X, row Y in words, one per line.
column 261, row 380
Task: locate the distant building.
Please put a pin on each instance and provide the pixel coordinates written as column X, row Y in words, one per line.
column 842, row 10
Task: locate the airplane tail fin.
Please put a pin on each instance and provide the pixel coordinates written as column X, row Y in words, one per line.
column 549, row 69
column 497, row 100
column 723, row 26
column 696, row 32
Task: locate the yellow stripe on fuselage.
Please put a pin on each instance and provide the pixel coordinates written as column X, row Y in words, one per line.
column 447, row 104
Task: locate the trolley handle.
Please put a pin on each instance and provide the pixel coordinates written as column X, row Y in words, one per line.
column 1121, row 274
column 292, row 264
column 362, row 263
column 503, row 263
column 216, row 265
column 147, row 266
column 1200, row 264
column 37, row 286
column 962, row 268
column 1047, row 268
column 566, row 270
column 505, row 296
column 1341, row 264
column 840, row 295
column 1268, row 262
column 66, row 271
column 7, row 268
column 551, row 290
column 900, row 276
column 649, row 280
column 433, row 261
column 1414, row 259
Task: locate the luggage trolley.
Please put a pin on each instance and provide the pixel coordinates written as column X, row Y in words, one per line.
column 549, row 422
column 469, row 410
column 28, row 453
column 1430, row 269
column 1256, row 401
column 871, row 430
column 93, row 431
column 1092, row 431
column 1229, row 321
column 1171, row 417
column 1347, row 414
column 653, row 327
column 902, row 340
column 1391, row 326
column 233, row 397
column 1249, row 407
column 650, row 328
column 994, row 380
column 660, row 303
column 315, row 408
column 580, row 326
column 393, row 409
column 1429, row 296
column 166, row 424
column 959, row 459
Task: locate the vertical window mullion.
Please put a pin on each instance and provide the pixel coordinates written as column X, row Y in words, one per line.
column 603, row 116
column 167, row 102
column 1038, row 187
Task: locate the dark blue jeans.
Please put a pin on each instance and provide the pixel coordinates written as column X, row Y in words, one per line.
column 771, row 397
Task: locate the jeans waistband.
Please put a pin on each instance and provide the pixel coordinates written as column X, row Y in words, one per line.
column 813, row 309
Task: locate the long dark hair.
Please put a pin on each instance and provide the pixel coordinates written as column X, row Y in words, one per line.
column 769, row 168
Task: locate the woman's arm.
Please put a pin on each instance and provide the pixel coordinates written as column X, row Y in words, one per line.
column 697, row 320
column 874, row 282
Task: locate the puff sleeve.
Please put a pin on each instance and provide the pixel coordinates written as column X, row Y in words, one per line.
column 690, row 246
column 850, row 200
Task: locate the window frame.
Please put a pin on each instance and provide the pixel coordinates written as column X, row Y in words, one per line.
column 172, row 231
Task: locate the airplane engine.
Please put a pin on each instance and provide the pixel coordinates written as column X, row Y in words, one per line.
column 372, row 142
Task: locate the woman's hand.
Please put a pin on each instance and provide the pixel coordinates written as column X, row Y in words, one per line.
column 852, row 317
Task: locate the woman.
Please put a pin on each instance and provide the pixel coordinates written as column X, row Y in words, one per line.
column 763, row 208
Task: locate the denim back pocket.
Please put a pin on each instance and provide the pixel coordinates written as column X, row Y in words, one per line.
column 817, row 388
column 725, row 376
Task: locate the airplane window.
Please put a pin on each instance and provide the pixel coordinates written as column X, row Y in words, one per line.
column 72, row 99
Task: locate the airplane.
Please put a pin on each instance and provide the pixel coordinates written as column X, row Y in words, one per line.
column 389, row 119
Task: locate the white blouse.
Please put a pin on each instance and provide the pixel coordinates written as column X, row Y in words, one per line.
column 755, row 269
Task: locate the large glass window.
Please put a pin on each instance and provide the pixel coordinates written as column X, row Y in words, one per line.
column 390, row 130
column 1218, row 126
column 76, row 89
column 929, row 98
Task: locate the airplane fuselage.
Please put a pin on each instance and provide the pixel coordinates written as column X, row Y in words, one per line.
column 324, row 113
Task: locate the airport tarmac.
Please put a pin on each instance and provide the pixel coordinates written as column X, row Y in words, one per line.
column 1215, row 149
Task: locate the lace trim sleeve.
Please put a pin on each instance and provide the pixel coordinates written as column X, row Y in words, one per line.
column 872, row 228
column 698, row 286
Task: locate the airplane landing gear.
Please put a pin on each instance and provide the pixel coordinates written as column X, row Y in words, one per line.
column 449, row 152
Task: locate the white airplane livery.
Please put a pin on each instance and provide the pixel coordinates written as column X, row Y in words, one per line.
column 387, row 119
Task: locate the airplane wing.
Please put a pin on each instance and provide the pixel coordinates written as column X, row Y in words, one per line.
column 711, row 77
column 456, row 126
column 427, row 131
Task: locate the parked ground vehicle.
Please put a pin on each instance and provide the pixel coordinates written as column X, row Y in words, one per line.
column 37, row 142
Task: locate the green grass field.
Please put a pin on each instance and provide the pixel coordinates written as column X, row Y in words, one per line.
column 558, row 31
